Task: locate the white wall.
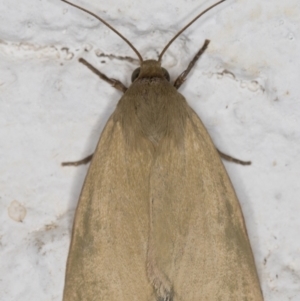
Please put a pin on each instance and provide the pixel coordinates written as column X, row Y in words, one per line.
column 245, row 88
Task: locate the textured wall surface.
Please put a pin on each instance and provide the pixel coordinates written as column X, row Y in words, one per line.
column 245, row 88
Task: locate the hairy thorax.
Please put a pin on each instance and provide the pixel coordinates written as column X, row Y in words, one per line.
column 154, row 109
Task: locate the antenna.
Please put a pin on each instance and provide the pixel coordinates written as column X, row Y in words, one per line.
column 185, row 27
column 109, row 26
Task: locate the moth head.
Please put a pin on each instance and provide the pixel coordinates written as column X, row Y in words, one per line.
column 150, row 69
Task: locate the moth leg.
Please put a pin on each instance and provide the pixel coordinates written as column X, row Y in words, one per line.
column 80, row 162
column 114, row 82
column 181, row 78
column 231, row 159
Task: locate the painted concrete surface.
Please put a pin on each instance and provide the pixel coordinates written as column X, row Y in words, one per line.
column 245, row 88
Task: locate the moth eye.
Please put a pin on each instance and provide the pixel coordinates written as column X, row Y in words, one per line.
column 135, row 74
column 166, row 74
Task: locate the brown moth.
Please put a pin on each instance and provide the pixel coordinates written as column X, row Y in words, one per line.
column 158, row 218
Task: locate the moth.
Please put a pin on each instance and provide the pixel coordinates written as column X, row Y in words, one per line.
column 158, row 218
